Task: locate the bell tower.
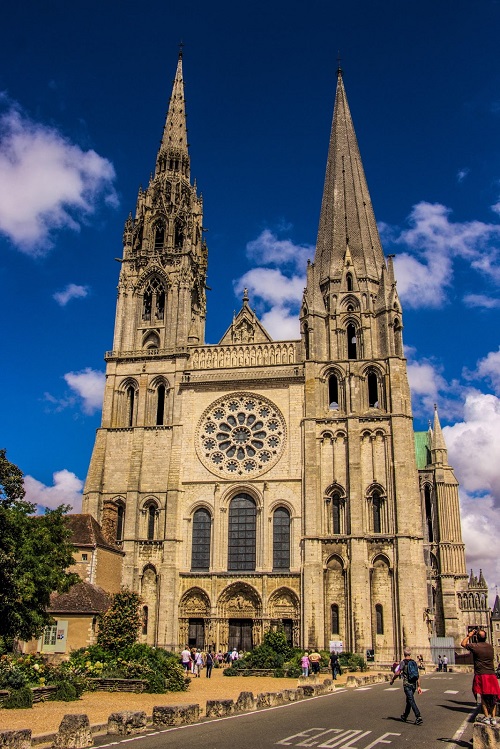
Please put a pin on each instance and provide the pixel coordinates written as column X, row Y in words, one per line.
column 362, row 524
column 161, row 291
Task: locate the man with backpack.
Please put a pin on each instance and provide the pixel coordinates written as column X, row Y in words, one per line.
column 408, row 670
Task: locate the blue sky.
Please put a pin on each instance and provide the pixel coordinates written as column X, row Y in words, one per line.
column 84, row 89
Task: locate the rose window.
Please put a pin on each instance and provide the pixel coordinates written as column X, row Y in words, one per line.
column 241, row 435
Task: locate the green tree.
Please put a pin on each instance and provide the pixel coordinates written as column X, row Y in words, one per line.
column 119, row 626
column 34, row 555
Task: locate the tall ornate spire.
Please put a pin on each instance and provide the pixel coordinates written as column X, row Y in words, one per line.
column 347, row 220
column 173, row 153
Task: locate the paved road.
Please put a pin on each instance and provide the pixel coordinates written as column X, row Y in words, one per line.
column 363, row 718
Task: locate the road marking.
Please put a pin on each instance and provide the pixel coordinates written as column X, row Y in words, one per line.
column 340, row 738
column 451, row 691
column 363, row 689
column 426, row 690
column 392, row 689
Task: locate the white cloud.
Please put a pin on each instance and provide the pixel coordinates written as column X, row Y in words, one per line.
column 481, row 300
column 281, row 324
column 66, row 489
column 46, row 182
column 267, row 249
column 276, row 291
column 474, row 453
column 462, row 174
column 487, row 369
column 89, row 386
column 272, row 286
column 434, row 243
column 72, row 291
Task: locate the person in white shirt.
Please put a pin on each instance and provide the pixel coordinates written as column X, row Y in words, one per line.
column 186, row 659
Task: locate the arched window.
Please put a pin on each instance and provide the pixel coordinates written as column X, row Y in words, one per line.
column 153, row 300
column 348, row 279
column 200, row 547
column 379, row 616
column 130, row 405
column 335, row 619
column 306, row 341
column 377, row 512
column 352, row 343
column 281, row 539
column 145, row 617
column 428, row 513
column 120, row 521
column 336, row 514
column 151, row 513
column 333, row 392
column 159, row 237
column 179, row 234
column 373, row 397
column 160, row 405
column 242, row 533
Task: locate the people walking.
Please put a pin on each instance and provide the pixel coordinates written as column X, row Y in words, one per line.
column 305, row 664
column 445, row 663
column 198, row 663
column 335, row 665
column 209, row 663
column 485, row 683
column 315, row 660
column 408, row 670
column 440, row 663
column 186, row 659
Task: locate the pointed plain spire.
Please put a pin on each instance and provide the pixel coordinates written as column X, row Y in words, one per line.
column 347, row 219
column 174, row 140
column 438, row 442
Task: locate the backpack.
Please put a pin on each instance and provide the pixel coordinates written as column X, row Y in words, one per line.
column 412, row 672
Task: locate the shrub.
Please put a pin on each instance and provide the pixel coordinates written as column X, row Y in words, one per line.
column 119, row 626
column 15, row 679
column 66, row 692
column 159, row 668
column 19, row 698
column 352, row 662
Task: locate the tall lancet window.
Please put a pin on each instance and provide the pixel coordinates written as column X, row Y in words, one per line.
column 428, row 513
column 352, row 342
column 130, row 405
column 377, row 512
column 333, row 392
column 242, row 533
column 281, row 539
column 373, row 397
column 153, row 300
column 348, row 279
column 336, row 514
column 159, row 237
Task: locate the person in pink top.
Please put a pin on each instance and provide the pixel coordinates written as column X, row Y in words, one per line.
column 305, row 664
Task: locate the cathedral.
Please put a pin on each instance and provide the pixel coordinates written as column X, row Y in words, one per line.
column 256, row 483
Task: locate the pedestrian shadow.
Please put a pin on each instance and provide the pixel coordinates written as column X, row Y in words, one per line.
column 460, row 707
column 455, row 742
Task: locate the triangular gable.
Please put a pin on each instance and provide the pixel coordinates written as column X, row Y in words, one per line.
column 245, row 328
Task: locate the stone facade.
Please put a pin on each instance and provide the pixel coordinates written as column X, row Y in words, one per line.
column 259, row 482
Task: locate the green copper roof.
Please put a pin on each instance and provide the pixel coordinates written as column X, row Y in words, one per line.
column 422, row 449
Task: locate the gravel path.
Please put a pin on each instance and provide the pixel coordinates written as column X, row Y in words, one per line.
column 45, row 717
